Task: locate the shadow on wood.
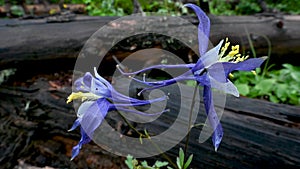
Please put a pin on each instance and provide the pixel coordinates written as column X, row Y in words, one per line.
column 35, row 120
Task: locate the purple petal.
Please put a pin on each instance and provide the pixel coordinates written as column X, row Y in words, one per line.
column 164, row 83
column 94, row 116
column 80, row 86
column 203, row 80
column 87, row 79
column 75, row 151
column 228, row 67
column 117, row 97
column 99, row 88
column 203, row 28
column 212, row 117
column 84, row 140
column 247, row 65
column 88, row 83
column 84, row 83
column 84, row 137
column 75, row 125
column 158, row 84
column 217, row 136
column 156, row 67
column 139, row 112
column 136, row 102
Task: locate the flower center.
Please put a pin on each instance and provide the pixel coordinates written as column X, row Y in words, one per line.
column 231, row 56
column 82, row 96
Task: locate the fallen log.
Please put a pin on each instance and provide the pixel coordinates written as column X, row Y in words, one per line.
column 34, row 116
column 35, row 119
column 25, row 43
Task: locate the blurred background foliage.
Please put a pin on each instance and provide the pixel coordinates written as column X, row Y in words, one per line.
column 173, row 7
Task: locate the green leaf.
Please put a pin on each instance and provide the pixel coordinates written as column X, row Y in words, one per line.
column 288, row 66
column 188, row 162
column 294, row 100
column 17, row 10
column 296, row 76
column 243, row 89
column 181, row 157
column 128, row 161
column 146, row 133
column 281, row 91
column 273, row 99
column 178, row 163
column 161, row 164
column 144, row 164
column 265, row 85
column 141, row 139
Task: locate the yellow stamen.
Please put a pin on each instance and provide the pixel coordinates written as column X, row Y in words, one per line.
column 234, row 50
column 224, row 48
column 236, row 47
column 254, row 72
column 82, row 96
column 233, row 55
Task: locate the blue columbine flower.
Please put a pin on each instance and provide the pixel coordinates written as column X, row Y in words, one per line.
column 99, row 97
column 211, row 71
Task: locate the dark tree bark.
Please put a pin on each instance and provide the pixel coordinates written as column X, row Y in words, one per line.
column 35, row 119
column 30, row 42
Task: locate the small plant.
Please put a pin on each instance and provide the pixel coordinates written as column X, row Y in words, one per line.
column 248, row 7
column 103, row 8
column 164, row 7
column 278, row 86
column 180, row 160
column 133, row 163
column 125, row 7
column 230, row 7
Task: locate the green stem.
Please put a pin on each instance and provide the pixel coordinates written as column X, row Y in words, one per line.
column 149, row 138
column 190, row 121
column 269, row 55
column 254, row 53
column 130, row 125
column 250, row 43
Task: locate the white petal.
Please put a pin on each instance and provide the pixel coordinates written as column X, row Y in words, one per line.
column 212, row 55
column 83, row 108
column 101, row 79
column 96, row 73
column 227, row 87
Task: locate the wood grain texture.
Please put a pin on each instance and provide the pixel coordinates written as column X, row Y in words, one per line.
column 257, row 134
column 24, row 41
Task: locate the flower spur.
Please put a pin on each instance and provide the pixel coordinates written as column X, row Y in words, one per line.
column 210, row 71
column 99, row 97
